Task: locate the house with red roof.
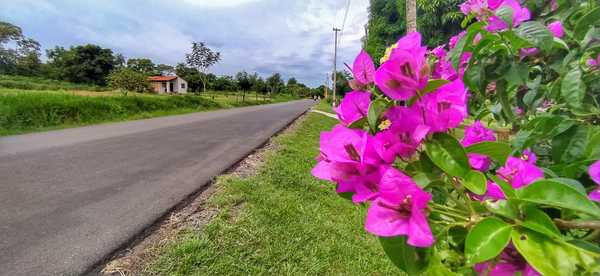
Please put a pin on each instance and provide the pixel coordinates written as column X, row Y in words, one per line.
column 168, row 84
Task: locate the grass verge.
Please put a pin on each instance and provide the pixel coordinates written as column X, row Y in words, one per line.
column 324, row 106
column 29, row 111
column 280, row 221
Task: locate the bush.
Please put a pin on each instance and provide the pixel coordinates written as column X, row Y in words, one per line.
column 127, row 80
column 481, row 156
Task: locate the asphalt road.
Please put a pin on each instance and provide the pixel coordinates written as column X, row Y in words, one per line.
column 69, row 198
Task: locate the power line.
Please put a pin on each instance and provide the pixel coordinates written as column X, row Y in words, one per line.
column 345, row 17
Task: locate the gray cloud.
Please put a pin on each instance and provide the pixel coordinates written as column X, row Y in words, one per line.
column 293, row 38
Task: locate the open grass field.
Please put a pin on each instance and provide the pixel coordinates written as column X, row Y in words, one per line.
column 35, row 83
column 282, row 221
column 23, row 111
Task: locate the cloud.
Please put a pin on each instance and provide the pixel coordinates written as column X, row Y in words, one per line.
column 293, row 38
column 219, row 3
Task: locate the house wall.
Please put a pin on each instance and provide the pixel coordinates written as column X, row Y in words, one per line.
column 178, row 88
column 157, row 87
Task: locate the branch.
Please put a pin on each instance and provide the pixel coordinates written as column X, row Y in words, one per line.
column 565, row 224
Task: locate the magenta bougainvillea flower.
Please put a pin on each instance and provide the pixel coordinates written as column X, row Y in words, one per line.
column 556, row 29
column 510, row 263
column 406, row 71
column 445, row 108
column 519, row 172
column 454, row 39
column 520, row 15
column 474, row 134
column 353, row 107
column 528, row 52
column 529, row 156
column 404, row 135
column 484, row 10
column 553, row 5
column 348, row 159
column 363, row 68
column 594, row 172
column 400, row 209
column 594, row 62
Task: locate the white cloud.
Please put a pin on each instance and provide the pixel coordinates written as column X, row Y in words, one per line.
column 218, row 3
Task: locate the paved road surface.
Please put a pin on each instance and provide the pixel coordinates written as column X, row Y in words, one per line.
column 69, row 198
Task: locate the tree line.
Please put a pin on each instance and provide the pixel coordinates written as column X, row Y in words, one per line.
column 93, row 64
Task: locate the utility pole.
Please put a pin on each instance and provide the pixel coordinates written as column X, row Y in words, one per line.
column 326, row 85
column 335, row 30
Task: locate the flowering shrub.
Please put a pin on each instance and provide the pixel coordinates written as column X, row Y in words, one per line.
column 479, row 156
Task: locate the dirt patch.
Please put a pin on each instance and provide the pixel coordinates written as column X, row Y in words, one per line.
column 194, row 215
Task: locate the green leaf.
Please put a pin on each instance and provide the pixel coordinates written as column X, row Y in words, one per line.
column 553, row 257
column 572, row 88
column 506, row 14
column 403, row 255
column 585, row 22
column 358, row 124
column 474, row 77
column 486, row 240
column 570, row 182
column 561, row 44
column 536, row 33
column 437, row 268
column 496, row 150
column 433, row 85
column 518, row 74
column 570, row 145
column 504, row 96
column 448, row 154
column 504, row 208
column 375, row 109
column 557, row 194
column 537, row 220
column 475, row 182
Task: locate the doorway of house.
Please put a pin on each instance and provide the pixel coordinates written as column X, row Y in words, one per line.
column 171, row 86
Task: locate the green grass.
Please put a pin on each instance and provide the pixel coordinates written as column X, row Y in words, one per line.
column 32, row 110
column 280, row 222
column 324, row 106
column 36, row 83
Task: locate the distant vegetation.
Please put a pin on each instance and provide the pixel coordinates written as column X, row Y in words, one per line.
column 39, row 83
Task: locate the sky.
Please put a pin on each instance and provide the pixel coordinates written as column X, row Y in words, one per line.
column 290, row 37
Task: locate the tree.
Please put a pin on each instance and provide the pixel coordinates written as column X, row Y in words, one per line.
column 191, row 75
column 120, row 61
column 142, row 65
column 225, row 83
column 24, row 57
column 438, row 20
column 202, row 58
column 244, row 82
column 342, row 86
column 165, row 69
column 82, row 64
column 127, row 79
column 292, row 81
column 274, row 83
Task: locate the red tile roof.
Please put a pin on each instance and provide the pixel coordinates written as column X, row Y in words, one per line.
column 162, row 78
